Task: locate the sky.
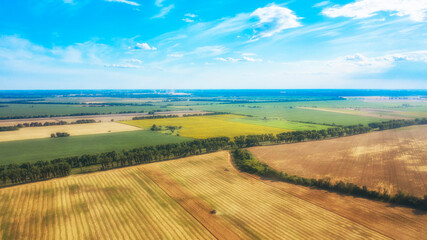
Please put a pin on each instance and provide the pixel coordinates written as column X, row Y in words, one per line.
column 217, row 44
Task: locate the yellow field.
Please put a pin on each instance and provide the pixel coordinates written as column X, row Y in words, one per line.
column 119, row 204
column 73, row 130
column 174, row 200
column 207, row 126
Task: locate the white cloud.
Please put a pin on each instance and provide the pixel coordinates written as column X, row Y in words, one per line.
column 176, row 55
column 144, row 46
column 415, row 9
column 121, row 66
column 69, row 54
column 273, row 19
column 159, row 3
column 190, row 15
column 244, row 58
column 124, row 1
column 187, row 20
column 251, row 59
column 133, row 60
column 164, row 11
column 209, row 50
column 321, row 4
column 358, row 63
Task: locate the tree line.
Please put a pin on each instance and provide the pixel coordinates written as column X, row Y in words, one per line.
column 28, row 172
column 164, row 152
column 176, row 116
column 39, row 124
column 59, row 134
column 397, row 123
column 246, row 163
column 67, row 115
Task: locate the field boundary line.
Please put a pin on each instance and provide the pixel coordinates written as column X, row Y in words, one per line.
column 181, row 196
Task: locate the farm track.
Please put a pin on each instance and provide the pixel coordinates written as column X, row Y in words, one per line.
column 392, row 159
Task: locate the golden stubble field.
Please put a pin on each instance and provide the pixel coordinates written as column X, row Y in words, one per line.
column 393, row 159
column 73, row 130
column 174, row 200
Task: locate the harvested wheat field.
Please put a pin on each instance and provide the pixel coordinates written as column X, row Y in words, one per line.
column 118, row 204
column 72, row 129
column 393, row 159
column 249, row 207
column 174, row 200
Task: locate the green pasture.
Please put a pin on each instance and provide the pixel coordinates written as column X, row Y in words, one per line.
column 51, row 148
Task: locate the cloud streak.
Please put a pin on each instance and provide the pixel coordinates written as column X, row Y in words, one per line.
column 124, row 1
column 415, row 9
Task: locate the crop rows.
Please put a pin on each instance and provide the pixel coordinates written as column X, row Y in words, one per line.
column 119, row 204
column 253, row 209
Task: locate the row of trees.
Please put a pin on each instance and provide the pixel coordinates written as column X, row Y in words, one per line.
column 67, row 115
column 178, row 150
column 148, row 154
column 39, row 124
column 245, row 162
column 59, row 134
column 154, row 117
column 8, row 128
column 175, row 116
column 397, row 123
column 28, row 172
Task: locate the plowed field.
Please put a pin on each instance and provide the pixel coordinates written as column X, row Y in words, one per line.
column 392, row 159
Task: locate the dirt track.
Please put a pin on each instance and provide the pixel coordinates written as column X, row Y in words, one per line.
column 393, row 159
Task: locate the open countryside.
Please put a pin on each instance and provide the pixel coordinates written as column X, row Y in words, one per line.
column 73, row 130
column 213, row 120
column 208, row 126
column 389, row 160
column 140, row 202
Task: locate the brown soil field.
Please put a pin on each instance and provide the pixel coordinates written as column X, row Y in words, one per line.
column 251, row 208
column 393, row 159
column 174, row 200
column 73, row 130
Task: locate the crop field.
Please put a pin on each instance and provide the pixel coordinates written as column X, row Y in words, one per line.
column 372, row 112
column 120, row 204
column 73, row 130
column 208, row 126
column 59, row 109
column 280, row 123
column 290, row 111
column 392, row 160
column 174, row 200
column 51, row 148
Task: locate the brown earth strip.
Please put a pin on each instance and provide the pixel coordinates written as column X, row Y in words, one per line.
column 199, row 209
column 392, row 160
column 362, row 112
column 388, row 219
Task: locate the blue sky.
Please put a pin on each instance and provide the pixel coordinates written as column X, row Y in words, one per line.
column 133, row 44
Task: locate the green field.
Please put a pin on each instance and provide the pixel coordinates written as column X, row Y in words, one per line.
column 202, row 127
column 288, row 111
column 63, row 109
column 49, row 149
